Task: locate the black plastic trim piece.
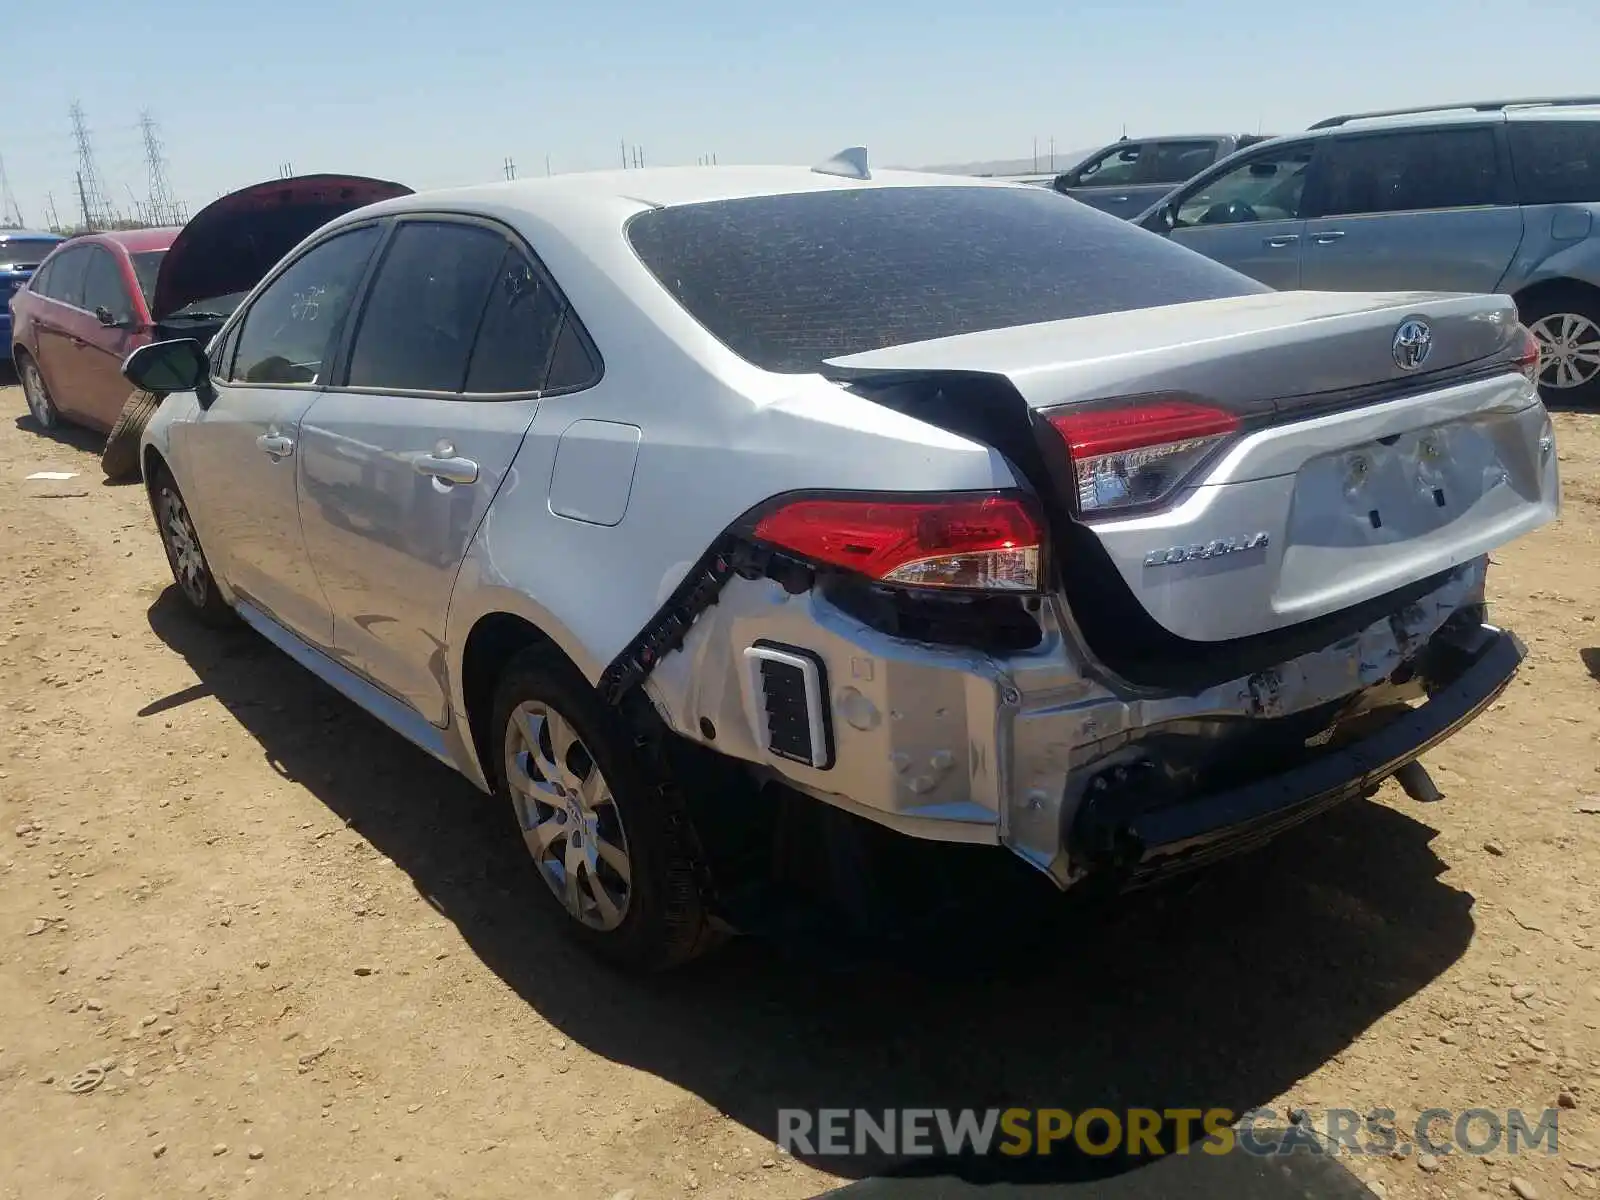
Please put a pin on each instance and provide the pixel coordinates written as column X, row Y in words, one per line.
column 698, row 591
column 826, row 714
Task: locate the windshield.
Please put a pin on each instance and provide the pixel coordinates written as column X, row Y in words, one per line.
column 145, row 266
column 789, row 281
column 25, row 252
column 215, row 307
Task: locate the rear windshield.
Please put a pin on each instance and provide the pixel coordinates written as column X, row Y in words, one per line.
column 789, row 281
column 145, row 266
column 25, row 252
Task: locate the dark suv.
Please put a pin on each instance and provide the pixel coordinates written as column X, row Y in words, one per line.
column 1127, row 175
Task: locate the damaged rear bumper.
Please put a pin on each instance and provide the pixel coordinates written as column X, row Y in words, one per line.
column 1014, row 750
column 1110, row 836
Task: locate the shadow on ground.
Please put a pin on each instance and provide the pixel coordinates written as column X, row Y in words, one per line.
column 75, row 436
column 1591, row 660
column 1222, row 996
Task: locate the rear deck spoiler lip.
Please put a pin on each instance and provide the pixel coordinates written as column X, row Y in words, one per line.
column 1080, row 358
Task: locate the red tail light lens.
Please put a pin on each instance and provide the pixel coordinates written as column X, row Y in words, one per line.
column 986, row 542
column 1528, row 358
column 1129, row 455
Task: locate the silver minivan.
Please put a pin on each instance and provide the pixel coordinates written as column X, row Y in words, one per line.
column 1498, row 196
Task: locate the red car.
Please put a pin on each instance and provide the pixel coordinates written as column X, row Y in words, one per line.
column 85, row 310
column 100, row 296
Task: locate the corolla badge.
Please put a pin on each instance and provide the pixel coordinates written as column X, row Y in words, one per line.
column 1413, row 342
column 1202, row 550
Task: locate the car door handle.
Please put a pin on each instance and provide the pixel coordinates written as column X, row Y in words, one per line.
column 275, row 444
column 1282, row 240
column 1322, row 239
column 77, row 341
column 447, row 469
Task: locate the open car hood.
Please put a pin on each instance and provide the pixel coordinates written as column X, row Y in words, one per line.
column 230, row 244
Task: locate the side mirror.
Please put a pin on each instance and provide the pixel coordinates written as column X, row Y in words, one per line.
column 106, row 317
column 176, row 366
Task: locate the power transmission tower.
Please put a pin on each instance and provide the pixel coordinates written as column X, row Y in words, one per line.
column 91, row 193
column 162, row 210
column 50, row 209
column 10, row 214
column 510, row 168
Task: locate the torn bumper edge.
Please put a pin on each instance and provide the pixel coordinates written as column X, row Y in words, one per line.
column 1202, row 829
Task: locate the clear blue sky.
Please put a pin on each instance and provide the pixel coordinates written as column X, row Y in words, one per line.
column 436, row 92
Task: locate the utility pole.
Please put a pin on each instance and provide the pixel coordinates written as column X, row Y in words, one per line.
column 55, row 221
column 10, row 213
column 285, row 170
column 162, row 210
column 91, row 194
column 623, row 142
column 510, row 168
column 547, row 164
column 1052, row 152
column 638, row 156
column 1035, row 156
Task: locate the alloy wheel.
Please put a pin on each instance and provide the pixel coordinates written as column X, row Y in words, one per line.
column 183, row 547
column 568, row 816
column 37, row 395
column 1569, row 350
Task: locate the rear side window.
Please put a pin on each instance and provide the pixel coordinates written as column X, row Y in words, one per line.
column 65, row 277
column 789, row 281
column 421, row 317
column 1175, row 162
column 1557, row 162
column 518, row 331
column 1405, row 172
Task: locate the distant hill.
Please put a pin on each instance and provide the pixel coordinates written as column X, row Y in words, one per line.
column 1014, row 166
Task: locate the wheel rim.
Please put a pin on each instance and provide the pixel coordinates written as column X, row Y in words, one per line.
column 1569, row 350
column 568, row 816
column 37, row 395
column 183, row 547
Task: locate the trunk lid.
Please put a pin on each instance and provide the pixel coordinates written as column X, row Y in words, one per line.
column 228, row 246
column 1352, row 482
column 1267, row 353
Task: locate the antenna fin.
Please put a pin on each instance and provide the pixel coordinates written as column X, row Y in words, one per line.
column 850, row 163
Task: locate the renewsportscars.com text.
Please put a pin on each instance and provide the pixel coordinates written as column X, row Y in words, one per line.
column 1155, row 1132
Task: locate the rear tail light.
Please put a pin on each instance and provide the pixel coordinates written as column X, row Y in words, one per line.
column 983, row 542
column 1131, row 455
column 1528, row 356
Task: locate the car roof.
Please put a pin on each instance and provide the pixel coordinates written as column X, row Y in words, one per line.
column 1580, row 108
column 664, row 187
column 134, row 241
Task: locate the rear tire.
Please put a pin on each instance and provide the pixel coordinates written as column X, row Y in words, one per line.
column 120, row 459
column 609, row 840
column 37, row 393
column 1566, row 321
column 190, row 569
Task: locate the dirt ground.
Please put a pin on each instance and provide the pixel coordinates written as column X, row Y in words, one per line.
column 303, row 956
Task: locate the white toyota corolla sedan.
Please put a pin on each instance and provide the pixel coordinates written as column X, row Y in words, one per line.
column 947, row 505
